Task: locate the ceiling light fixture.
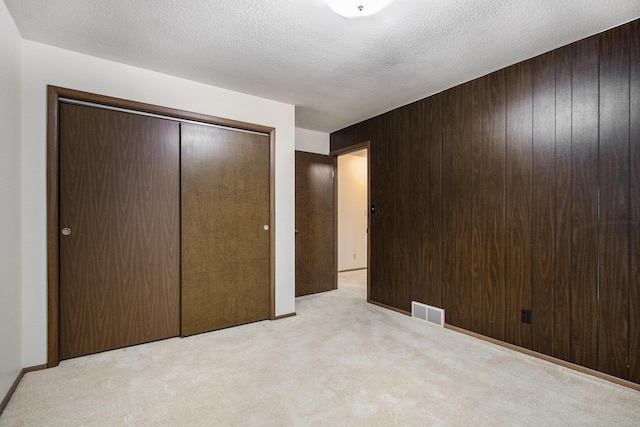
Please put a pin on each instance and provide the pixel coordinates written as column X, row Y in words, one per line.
column 357, row 8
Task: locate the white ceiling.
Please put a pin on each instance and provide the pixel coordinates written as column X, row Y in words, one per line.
column 336, row 71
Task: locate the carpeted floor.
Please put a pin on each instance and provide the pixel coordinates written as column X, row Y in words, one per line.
column 339, row 362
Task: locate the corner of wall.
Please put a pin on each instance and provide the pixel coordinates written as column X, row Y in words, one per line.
column 11, row 335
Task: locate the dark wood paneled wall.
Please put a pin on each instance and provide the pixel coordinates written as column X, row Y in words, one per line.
column 519, row 190
column 634, row 203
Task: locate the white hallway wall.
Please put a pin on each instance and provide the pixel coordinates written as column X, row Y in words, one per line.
column 46, row 65
column 312, row 141
column 352, row 212
column 10, row 201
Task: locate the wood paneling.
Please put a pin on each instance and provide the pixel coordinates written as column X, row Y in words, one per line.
column 433, row 141
column 584, row 203
column 448, row 243
column 634, row 204
column 119, row 195
column 225, row 248
column 314, row 223
column 476, row 294
column 613, row 231
column 543, row 203
column 457, row 205
column 419, row 205
column 518, row 207
column 405, row 134
column 514, row 167
column 562, row 288
column 494, row 202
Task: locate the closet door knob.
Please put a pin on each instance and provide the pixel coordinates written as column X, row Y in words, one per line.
column 266, row 227
column 66, row 231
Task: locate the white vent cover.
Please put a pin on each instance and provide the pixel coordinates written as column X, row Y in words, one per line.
column 429, row 314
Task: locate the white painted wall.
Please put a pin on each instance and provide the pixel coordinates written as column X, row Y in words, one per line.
column 43, row 65
column 312, row 141
column 10, row 202
column 352, row 212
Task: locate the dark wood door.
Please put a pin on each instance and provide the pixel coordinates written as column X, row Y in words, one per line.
column 225, row 237
column 119, row 199
column 315, row 227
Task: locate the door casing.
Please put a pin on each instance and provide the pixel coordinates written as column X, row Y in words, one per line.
column 336, row 153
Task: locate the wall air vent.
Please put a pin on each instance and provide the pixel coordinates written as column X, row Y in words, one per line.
column 427, row 313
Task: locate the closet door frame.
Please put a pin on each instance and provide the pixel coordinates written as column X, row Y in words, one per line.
column 56, row 95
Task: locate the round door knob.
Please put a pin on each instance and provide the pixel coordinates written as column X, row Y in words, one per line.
column 66, row 231
column 296, row 231
column 266, row 227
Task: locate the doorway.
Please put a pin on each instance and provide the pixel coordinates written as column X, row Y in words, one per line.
column 352, row 216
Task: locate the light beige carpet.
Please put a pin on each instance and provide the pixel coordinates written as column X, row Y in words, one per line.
column 339, row 362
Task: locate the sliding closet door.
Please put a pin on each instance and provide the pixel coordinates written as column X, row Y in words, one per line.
column 225, row 236
column 120, row 229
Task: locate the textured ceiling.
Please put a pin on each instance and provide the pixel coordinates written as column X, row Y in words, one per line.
column 336, row 71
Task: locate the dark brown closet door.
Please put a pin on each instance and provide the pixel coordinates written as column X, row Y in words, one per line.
column 225, row 237
column 315, row 232
column 119, row 200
